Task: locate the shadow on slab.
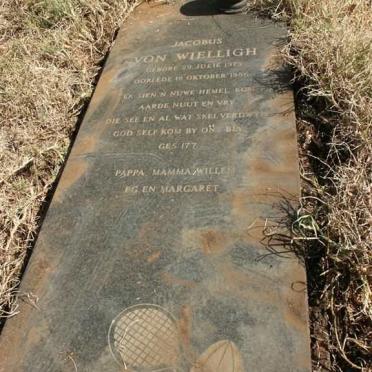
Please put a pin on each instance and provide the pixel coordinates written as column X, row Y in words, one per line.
column 199, row 8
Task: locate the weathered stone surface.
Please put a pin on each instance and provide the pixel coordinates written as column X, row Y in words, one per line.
column 152, row 254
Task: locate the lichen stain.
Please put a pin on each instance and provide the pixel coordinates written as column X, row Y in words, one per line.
column 14, row 338
column 143, row 246
column 209, row 241
column 185, row 323
column 246, row 214
column 172, row 280
column 74, row 170
column 85, row 144
column 94, row 125
column 213, row 242
column 256, row 98
column 249, row 286
column 105, row 85
column 89, row 136
column 37, row 334
column 281, row 107
column 274, row 164
column 154, row 257
column 270, row 173
column 294, row 307
column 38, row 274
column 294, row 310
column 274, row 60
column 185, row 329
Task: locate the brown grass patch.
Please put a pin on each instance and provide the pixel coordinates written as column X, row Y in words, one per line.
column 50, row 55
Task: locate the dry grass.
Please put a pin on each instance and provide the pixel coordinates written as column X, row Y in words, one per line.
column 50, row 54
column 331, row 50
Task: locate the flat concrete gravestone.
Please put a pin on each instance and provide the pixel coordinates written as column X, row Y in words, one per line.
column 153, row 256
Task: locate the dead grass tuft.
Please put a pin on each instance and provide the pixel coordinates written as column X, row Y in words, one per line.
column 50, row 55
column 331, row 51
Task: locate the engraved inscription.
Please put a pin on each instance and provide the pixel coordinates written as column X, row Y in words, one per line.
column 179, row 110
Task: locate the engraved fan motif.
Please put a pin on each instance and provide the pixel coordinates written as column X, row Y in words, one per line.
column 145, row 337
column 222, row 356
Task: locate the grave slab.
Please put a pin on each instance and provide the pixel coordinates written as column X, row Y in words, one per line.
column 158, row 251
